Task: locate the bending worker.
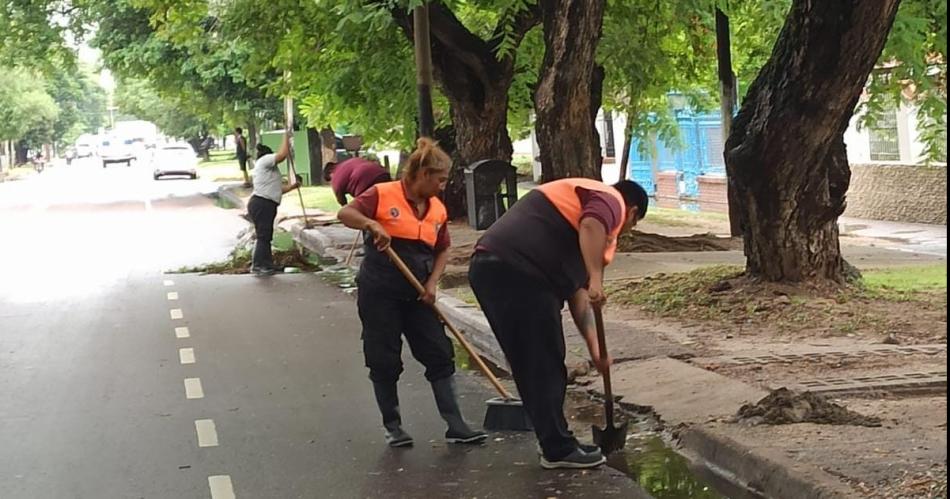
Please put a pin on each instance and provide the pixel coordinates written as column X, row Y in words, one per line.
column 551, row 247
column 353, row 176
column 407, row 215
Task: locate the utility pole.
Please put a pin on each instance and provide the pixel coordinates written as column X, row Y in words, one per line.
column 423, row 52
column 728, row 97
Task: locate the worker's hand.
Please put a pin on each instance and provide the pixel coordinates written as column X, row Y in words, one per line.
column 295, row 185
column 602, row 364
column 429, row 296
column 380, row 237
column 596, row 294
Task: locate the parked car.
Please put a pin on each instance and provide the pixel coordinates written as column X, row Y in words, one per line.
column 84, row 150
column 116, row 150
column 175, row 159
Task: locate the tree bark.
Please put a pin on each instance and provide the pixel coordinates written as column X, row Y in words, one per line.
column 569, row 89
column 786, row 153
column 252, row 140
column 315, row 153
column 475, row 81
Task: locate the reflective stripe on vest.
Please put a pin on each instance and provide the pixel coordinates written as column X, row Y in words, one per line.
column 563, row 195
column 399, row 220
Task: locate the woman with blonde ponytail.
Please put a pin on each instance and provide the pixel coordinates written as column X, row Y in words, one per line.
column 407, row 216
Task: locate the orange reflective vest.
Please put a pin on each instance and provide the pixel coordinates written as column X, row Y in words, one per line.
column 398, row 218
column 563, row 195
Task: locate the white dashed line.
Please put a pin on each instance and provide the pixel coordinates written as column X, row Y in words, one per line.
column 168, row 283
column 175, row 313
column 172, row 296
column 182, row 332
column 207, row 435
column 187, row 355
column 221, row 487
column 193, row 388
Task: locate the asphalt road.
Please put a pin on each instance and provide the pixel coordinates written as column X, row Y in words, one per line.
column 118, row 380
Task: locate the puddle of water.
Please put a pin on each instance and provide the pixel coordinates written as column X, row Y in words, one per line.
column 648, row 460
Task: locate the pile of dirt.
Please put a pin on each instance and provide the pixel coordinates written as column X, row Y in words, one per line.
column 784, row 406
column 644, row 242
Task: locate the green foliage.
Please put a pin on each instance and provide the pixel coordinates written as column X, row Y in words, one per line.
column 24, row 105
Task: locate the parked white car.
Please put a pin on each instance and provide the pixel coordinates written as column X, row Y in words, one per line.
column 175, row 159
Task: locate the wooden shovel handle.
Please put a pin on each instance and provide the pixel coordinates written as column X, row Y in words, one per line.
column 458, row 336
column 602, row 342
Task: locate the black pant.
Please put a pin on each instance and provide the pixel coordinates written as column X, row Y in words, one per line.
column 386, row 320
column 262, row 212
column 525, row 315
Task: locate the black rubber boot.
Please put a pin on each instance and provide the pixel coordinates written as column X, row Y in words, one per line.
column 387, row 398
column 447, row 402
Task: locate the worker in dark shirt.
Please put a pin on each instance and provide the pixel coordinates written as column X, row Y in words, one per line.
column 408, row 216
column 551, row 247
column 353, row 176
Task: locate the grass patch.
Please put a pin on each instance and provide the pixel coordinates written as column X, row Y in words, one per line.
column 909, row 302
column 286, row 254
column 907, row 279
column 222, row 167
column 682, row 218
column 17, row 173
column 317, row 196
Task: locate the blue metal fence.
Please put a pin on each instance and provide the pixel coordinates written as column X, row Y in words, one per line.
column 700, row 154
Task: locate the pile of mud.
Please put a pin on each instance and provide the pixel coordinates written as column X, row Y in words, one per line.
column 784, row 406
column 644, row 242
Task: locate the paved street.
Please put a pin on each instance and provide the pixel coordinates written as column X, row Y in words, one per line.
column 121, row 381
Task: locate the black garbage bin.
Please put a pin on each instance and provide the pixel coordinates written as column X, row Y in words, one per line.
column 491, row 188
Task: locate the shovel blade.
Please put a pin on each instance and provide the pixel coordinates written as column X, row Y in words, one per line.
column 610, row 438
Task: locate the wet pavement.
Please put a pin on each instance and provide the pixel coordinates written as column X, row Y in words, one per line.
column 119, row 380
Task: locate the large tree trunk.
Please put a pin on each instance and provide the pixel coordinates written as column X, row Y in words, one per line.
column 786, row 153
column 475, row 81
column 252, row 137
column 569, row 89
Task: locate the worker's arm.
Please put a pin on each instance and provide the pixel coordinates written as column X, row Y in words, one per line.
column 285, row 188
column 432, row 283
column 593, row 241
column 354, row 219
column 341, row 198
column 283, row 150
column 583, row 315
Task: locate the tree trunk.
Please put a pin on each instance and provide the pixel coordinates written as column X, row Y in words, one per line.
column 475, row 81
column 569, row 89
column 786, row 153
column 252, row 139
column 20, row 150
column 315, row 152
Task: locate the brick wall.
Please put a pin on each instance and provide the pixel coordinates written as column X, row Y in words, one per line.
column 902, row 193
column 667, row 191
column 712, row 194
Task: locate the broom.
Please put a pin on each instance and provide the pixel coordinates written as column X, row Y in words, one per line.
column 504, row 413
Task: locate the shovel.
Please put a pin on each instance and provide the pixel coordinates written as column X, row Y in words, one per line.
column 611, row 438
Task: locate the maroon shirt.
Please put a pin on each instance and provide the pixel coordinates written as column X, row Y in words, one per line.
column 355, row 175
column 367, row 202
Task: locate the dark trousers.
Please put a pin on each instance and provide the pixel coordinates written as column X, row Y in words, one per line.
column 263, row 212
column 525, row 315
column 385, row 320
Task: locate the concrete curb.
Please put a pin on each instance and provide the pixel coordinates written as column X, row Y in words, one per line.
column 473, row 324
column 226, row 192
column 772, row 476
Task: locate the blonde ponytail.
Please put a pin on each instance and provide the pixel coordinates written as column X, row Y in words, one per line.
column 428, row 156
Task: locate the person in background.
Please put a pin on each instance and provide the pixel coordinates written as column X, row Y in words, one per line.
column 269, row 188
column 353, row 176
column 240, row 149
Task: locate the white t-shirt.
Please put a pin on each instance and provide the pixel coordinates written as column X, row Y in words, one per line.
column 267, row 178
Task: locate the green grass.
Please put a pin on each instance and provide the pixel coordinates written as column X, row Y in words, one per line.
column 17, row 173
column 682, row 218
column 907, row 279
column 317, row 196
column 283, row 241
column 223, row 167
